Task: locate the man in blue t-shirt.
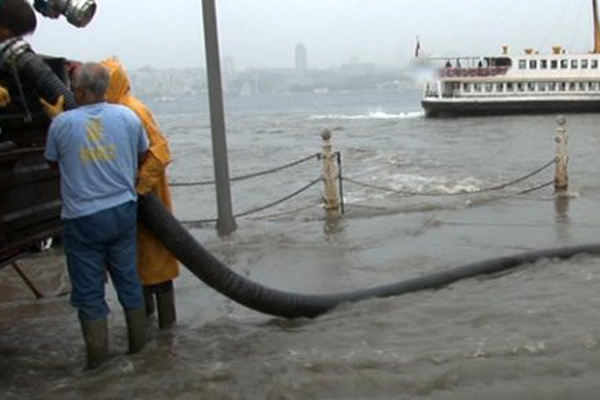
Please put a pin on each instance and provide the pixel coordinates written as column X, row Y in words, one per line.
column 98, row 148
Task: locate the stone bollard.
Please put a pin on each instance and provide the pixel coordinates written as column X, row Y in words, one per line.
column 561, row 178
column 330, row 173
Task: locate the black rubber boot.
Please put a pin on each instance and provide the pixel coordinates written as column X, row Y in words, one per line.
column 149, row 301
column 165, row 303
column 136, row 329
column 95, row 335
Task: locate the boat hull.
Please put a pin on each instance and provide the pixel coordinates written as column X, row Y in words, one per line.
column 451, row 107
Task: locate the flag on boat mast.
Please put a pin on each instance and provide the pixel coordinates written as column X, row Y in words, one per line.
column 417, row 47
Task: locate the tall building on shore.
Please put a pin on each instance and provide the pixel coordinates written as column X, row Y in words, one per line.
column 301, row 61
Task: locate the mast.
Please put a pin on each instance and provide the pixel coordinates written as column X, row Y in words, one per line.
column 596, row 27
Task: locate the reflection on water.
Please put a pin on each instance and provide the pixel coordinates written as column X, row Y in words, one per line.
column 561, row 206
column 529, row 334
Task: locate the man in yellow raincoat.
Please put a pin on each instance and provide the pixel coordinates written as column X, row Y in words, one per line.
column 157, row 267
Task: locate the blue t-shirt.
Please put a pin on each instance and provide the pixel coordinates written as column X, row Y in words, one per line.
column 96, row 147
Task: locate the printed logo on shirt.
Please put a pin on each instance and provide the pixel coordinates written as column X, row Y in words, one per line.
column 99, row 153
column 94, row 129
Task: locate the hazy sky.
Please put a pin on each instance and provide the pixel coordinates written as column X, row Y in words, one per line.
column 263, row 33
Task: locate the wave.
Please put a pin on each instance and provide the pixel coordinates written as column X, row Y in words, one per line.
column 370, row 115
column 411, row 185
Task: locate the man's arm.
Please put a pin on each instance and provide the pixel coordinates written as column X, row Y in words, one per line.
column 51, row 151
column 142, row 142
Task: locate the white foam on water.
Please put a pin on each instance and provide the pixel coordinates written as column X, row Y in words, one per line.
column 433, row 184
column 371, row 115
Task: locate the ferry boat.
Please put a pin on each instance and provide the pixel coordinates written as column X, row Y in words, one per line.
column 511, row 84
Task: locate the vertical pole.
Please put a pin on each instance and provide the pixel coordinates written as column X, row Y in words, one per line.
column 225, row 221
column 332, row 201
column 561, row 179
column 340, row 180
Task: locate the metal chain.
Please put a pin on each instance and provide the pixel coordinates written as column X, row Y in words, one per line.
column 197, row 223
column 248, row 176
column 520, row 193
column 273, row 204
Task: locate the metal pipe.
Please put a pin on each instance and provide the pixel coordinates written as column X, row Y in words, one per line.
column 28, row 282
column 225, row 222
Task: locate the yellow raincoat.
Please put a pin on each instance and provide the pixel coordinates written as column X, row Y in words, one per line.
column 155, row 263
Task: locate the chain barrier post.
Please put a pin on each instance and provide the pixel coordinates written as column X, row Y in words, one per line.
column 332, row 200
column 338, row 156
column 561, row 178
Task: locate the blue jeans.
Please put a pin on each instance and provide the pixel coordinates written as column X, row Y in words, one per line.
column 98, row 242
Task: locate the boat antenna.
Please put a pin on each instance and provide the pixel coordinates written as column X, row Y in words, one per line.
column 596, row 27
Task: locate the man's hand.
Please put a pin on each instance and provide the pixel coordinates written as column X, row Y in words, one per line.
column 52, row 110
column 4, row 97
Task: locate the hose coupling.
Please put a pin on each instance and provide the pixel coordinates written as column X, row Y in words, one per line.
column 78, row 12
column 12, row 49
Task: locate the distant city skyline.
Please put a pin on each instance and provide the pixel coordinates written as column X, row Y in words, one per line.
column 264, row 33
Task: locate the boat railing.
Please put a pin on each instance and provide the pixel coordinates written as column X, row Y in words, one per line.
column 468, row 72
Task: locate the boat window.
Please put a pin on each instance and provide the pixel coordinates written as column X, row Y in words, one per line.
column 554, row 64
column 501, row 62
column 520, row 87
column 574, row 64
column 531, row 87
column 594, row 63
column 564, row 64
column 582, row 86
column 489, row 87
column 552, row 86
column 542, row 86
column 584, row 63
column 500, row 87
column 592, row 86
column 543, row 64
column 522, row 64
column 466, row 87
column 509, row 87
column 477, row 87
column 533, row 64
column 572, row 86
column 562, row 86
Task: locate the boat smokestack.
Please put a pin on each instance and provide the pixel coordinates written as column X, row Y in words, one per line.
column 596, row 27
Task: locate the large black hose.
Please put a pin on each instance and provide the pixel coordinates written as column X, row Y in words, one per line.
column 17, row 54
column 35, row 70
column 292, row 305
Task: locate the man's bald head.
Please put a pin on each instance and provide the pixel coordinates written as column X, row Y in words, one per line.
column 90, row 83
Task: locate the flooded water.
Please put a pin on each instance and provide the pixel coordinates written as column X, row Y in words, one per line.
column 532, row 333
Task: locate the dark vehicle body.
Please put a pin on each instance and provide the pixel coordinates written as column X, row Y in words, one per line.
column 29, row 188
